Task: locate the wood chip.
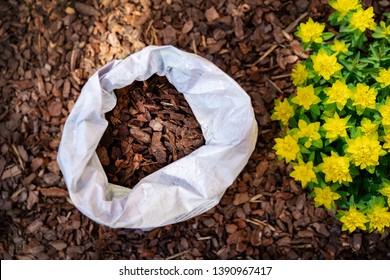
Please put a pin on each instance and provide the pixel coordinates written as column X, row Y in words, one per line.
column 187, row 27
column 2, row 165
column 240, row 198
column 140, row 135
column 103, row 155
column 53, row 192
column 85, row 9
column 34, row 226
column 11, row 172
column 54, row 108
column 169, row 35
column 32, row 199
column 211, row 14
column 69, row 10
column 58, row 245
column 261, row 168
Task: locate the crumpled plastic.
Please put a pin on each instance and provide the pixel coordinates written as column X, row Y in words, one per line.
column 182, row 189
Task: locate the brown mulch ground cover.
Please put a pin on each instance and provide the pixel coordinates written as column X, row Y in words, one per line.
column 50, row 48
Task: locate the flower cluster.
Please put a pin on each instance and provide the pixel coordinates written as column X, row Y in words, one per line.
column 336, row 127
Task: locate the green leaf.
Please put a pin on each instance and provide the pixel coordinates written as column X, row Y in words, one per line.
column 374, row 52
column 349, row 106
column 346, row 29
column 352, row 200
column 361, row 66
column 361, row 41
column 355, row 171
column 377, row 34
column 371, row 169
column 361, row 205
column 312, row 156
column 370, row 60
column 293, row 122
column 357, row 35
column 304, row 150
column 360, row 111
column 293, row 131
column 376, row 200
column 333, row 18
column 318, row 90
column 357, row 58
column 315, row 111
column 327, row 142
column 303, row 140
column 327, row 35
column 347, row 65
column 317, row 143
column 353, row 132
column 301, row 111
column 330, row 108
column 306, row 45
column 306, row 119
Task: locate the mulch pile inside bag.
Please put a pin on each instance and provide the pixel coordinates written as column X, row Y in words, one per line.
column 151, row 126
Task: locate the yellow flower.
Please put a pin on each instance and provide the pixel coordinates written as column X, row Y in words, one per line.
column 353, row 219
column 344, row 6
column 283, row 111
column 310, row 31
column 308, row 130
column 385, row 30
column 325, row 65
column 386, row 191
column 336, row 169
column 339, row 47
column 379, row 218
column 364, row 97
column 299, row 74
column 369, row 128
column 363, row 19
column 305, row 97
column 384, row 78
column 287, row 148
column 339, row 93
column 364, row 151
column 335, row 127
column 325, row 196
column 304, row 173
column 385, row 112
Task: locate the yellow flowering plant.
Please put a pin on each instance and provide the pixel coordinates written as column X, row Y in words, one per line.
column 336, row 126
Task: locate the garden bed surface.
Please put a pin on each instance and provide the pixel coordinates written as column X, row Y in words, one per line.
column 49, row 50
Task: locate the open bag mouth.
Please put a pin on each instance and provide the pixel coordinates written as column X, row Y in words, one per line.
column 182, row 189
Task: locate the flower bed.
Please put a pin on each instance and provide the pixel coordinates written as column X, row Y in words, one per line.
column 337, row 125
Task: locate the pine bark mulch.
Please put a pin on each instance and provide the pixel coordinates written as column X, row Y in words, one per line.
column 50, row 48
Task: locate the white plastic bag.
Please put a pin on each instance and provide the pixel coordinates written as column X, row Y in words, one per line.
column 182, row 189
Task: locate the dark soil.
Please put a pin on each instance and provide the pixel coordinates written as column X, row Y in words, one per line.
column 50, row 48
